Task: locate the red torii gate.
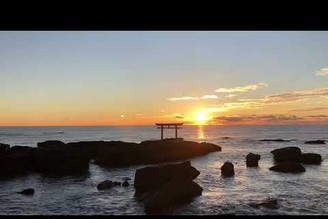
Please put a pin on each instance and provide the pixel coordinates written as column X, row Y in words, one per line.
column 175, row 126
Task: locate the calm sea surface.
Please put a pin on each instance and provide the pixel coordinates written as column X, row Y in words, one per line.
column 304, row 193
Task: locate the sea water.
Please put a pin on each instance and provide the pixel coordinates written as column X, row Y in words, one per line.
column 304, row 193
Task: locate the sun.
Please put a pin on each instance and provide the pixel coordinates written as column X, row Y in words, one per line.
column 201, row 117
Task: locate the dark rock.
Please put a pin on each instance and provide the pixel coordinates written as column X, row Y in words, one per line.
column 311, row 158
column 288, row 167
column 152, row 178
column 4, row 147
column 29, row 191
column 227, row 169
column 315, row 142
column 117, row 183
column 252, row 160
column 126, row 178
column 107, row 184
column 16, row 161
column 276, row 140
column 271, row 203
column 153, row 152
column 125, row 184
column 59, row 162
column 291, row 154
column 171, row 194
column 53, row 144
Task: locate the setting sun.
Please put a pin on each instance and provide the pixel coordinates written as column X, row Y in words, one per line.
column 201, row 117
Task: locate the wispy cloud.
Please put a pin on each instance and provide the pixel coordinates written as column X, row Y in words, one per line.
column 209, row 97
column 322, row 72
column 310, row 109
column 193, row 98
column 242, row 89
column 182, row 98
column 258, row 118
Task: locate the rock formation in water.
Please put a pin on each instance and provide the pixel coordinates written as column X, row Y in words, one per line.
column 57, row 158
column 227, row 169
column 315, row 142
column 28, row 191
column 292, row 154
column 288, row 167
column 311, row 158
column 276, row 140
column 163, row 187
column 252, row 160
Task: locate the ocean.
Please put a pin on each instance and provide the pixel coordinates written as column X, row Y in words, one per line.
column 297, row 194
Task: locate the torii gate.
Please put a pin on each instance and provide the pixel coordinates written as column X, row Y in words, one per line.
column 175, row 126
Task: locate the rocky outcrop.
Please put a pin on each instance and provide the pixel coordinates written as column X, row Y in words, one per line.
column 252, row 160
column 118, row 154
column 227, row 169
column 152, row 178
column 288, row 167
column 171, row 194
column 311, row 158
column 4, row 147
column 271, row 204
column 276, row 140
column 28, row 191
column 125, row 184
column 163, row 187
column 291, row 154
column 315, row 142
column 107, row 184
column 52, row 144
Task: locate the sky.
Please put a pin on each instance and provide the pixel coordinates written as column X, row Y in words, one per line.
column 143, row 77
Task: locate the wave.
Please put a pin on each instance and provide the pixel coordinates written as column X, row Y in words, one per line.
column 52, row 133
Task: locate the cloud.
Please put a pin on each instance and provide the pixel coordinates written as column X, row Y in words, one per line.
column 322, row 72
column 310, row 109
column 209, row 97
column 318, row 116
column 182, row 98
column 193, row 98
column 259, row 118
column 231, row 95
column 242, row 89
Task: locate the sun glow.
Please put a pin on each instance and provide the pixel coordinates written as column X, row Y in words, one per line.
column 201, row 117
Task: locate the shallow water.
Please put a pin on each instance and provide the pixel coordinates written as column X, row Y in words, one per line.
column 297, row 194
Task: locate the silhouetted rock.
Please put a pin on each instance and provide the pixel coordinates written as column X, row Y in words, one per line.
column 227, row 169
column 119, row 154
column 252, row 160
column 117, row 183
column 315, row 142
column 29, row 191
column 271, row 203
column 276, row 140
column 52, row 144
column 152, row 178
column 4, row 147
column 126, row 178
column 172, row 193
column 125, row 184
column 292, row 154
column 288, row 167
column 153, row 152
column 107, row 184
column 16, row 161
column 59, row 162
column 311, row 158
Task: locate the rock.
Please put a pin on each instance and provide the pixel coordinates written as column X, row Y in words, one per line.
column 107, row 184
column 61, row 162
column 125, row 184
column 315, row 142
column 126, row 178
column 53, row 144
column 288, row 167
column 117, row 183
column 29, row 191
column 171, row 194
column 271, row 203
column 4, row 147
column 290, row 154
column 152, row 178
column 276, row 140
column 227, row 169
column 154, row 152
column 252, row 160
column 311, row 158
